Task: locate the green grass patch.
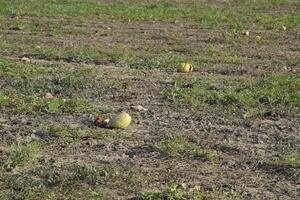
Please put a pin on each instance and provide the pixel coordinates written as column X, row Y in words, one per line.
column 113, row 134
column 14, row 69
column 4, row 99
column 74, row 53
column 67, row 83
column 57, row 133
column 180, row 145
column 119, row 56
column 162, row 62
column 64, row 106
column 38, row 79
column 217, row 55
column 276, row 94
column 19, row 156
column 232, row 13
column 290, row 159
column 32, row 105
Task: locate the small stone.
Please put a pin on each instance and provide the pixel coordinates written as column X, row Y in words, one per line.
column 35, row 137
column 49, row 96
column 196, row 188
column 138, row 108
column 290, row 69
column 91, row 142
column 183, row 186
column 25, row 60
column 247, row 33
column 284, row 28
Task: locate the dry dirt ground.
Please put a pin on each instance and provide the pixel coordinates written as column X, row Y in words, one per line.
column 247, row 160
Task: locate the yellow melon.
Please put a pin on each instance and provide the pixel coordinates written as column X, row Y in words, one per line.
column 185, row 68
column 120, row 121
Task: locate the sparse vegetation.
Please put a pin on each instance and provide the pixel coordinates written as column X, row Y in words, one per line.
column 62, row 134
column 32, row 105
column 12, row 69
column 173, row 193
column 180, row 145
column 72, row 181
column 19, row 156
column 234, row 120
column 290, row 159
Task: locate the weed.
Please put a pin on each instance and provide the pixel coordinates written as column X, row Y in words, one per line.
column 69, row 53
column 20, row 155
column 31, row 105
column 110, row 134
column 11, row 69
column 215, row 54
column 4, row 99
column 180, row 145
column 68, row 82
column 290, row 159
column 164, row 62
column 65, row 106
column 172, row 193
column 56, row 133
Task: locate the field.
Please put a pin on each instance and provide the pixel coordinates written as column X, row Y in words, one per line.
column 228, row 130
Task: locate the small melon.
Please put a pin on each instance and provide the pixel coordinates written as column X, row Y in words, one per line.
column 120, row 121
column 185, row 68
